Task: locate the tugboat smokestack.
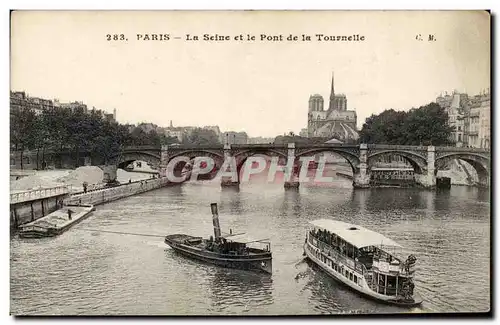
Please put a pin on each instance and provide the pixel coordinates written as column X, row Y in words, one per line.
column 215, row 220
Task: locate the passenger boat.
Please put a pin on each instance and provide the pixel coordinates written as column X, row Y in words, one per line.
column 232, row 250
column 364, row 260
column 56, row 222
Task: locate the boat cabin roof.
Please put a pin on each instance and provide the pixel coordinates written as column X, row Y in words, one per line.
column 356, row 235
column 244, row 239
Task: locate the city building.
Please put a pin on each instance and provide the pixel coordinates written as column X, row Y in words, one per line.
column 469, row 116
column 147, row 127
column 74, row 107
column 174, row 133
column 231, row 137
column 21, row 100
column 336, row 122
column 484, row 122
column 214, row 128
column 260, row 140
column 181, row 132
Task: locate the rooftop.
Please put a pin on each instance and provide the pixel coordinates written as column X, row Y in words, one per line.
column 356, row 235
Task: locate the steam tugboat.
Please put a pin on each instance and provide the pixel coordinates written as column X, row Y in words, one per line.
column 231, row 250
column 364, row 260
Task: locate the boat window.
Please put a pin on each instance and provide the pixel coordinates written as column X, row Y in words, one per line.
column 346, row 274
column 355, row 279
column 350, row 276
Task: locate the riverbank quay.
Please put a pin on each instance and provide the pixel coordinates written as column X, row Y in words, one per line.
column 101, row 196
column 26, row 207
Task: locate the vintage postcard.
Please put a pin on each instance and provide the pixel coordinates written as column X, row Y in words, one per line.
column 250, row 163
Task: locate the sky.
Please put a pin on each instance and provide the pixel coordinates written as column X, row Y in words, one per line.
column 260, row 87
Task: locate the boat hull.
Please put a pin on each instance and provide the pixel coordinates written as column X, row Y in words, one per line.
column 363, row 290
column 261, row 263
column 32, row 230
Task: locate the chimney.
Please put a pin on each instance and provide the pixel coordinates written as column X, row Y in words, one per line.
column 215, row 220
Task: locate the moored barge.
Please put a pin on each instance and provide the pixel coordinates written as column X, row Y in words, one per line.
column 364, row 260
column 231, row 251
column 56, row 222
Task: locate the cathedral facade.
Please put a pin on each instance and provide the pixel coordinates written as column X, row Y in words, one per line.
column 337, row 122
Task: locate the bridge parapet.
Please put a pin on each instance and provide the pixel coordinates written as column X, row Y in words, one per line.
column 38, row 194
column 190, row 147
column 259, row 146
column 326, row 145
column 141, row 148
column 397, row 147
column 462, row 149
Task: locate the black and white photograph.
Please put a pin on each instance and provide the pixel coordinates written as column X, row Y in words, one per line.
column 250, row 163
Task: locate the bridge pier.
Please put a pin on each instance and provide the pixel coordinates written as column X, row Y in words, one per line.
column 163, row 160
column 293, row 180
column 229, row 163
column 361, row 177
column 428, row 178
column 109, row 173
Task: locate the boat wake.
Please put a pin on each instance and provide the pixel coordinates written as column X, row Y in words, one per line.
column 160, row 244
column 301, row 275
column 300, row 262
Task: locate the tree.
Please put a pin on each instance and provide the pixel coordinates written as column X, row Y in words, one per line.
column 21, row 129
column 110, row 140
column 426, row 125
column 56, row 123
column 166, row 140
column 201, row 137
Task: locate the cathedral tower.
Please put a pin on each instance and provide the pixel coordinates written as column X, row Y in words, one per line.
column 332, row 105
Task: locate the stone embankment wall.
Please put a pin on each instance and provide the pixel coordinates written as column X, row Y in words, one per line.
column 114, row 193
column 24, row 212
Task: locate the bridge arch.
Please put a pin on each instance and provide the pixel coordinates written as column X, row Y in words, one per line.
column 349, row 156
column 242, row 156
column 128, row 157
column 417, row 161
column 481, row 163
column 217, row 157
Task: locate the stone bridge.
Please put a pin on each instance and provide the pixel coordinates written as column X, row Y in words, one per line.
column 425, row 160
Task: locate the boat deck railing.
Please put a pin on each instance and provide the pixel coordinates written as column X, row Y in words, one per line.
column 324, row 247
column 378, row 266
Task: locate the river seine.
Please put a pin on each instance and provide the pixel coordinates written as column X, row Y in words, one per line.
column 88, row 272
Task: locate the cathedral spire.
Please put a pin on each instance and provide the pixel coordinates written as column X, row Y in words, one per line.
column 332, row 92
column 332, row 95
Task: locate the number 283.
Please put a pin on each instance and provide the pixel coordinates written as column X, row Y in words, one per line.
column 115, row 37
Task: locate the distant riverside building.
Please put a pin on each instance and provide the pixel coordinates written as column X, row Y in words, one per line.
column 147, row 127
column 470, row 117
column 231, row 137
column 181, row 132
column 337, row 122
column 260, row 140
column 485, row 123
column 20, row 100
column 214, row 128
